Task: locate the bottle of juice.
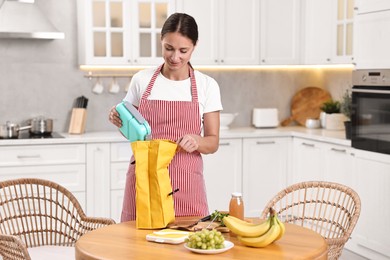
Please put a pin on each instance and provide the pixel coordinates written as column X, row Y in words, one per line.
column 236, row 206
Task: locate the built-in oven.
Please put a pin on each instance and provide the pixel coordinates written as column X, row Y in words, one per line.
column 370, row 115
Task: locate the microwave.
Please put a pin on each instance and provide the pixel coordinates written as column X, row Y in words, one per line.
column 370, row 111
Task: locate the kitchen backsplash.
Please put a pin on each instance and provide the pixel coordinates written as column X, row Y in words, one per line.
column 41, row 77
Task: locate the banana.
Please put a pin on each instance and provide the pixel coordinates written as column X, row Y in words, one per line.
column 282, row 228
column 246, row 229
column 265, row 239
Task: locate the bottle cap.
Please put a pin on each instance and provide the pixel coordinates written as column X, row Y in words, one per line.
column 237, row 194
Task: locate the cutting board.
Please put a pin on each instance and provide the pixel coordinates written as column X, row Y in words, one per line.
column 306, row 103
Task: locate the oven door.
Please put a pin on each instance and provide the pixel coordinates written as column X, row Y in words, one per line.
column 371, row 118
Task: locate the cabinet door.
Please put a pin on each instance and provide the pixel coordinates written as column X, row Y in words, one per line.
column 264, row 172
column 280, row 31
column 228, row 31
column 338, row 164
column 238, row 32
column 372, row 40
column 372, row 179
column 98, row 179
column 121, row 32
column 205, row 13
column 116, row 204
column 318, row 36
column 222, row 173
column 307, row 161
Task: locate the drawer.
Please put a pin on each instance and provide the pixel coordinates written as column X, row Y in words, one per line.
column 41, row 155
column 121, row 152
column 71, row 176
column 118, row 175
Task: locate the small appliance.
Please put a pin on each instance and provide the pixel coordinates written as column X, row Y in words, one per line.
column 265, row 117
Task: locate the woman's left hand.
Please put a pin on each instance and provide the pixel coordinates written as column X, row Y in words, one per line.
column 188, row 143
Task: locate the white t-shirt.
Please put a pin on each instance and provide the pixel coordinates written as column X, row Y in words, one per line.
column 209, row 96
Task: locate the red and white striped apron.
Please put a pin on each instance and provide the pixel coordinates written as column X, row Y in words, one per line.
column 171, row 120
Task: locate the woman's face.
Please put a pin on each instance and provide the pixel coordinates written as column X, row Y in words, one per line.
column 176, row 50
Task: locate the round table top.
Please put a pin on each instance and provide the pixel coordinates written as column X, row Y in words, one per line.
column 124, row 241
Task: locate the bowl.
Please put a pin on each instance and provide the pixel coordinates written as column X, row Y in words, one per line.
column 313, row 123
column 226, row 119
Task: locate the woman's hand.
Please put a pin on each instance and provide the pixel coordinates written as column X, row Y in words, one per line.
column 114, row 117
column 189, row 143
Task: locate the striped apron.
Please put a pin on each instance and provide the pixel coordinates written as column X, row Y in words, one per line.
column 171, row 120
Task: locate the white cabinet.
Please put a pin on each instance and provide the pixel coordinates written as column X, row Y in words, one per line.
column 228, row 31
column 372, row 40
column 338, row 163
column 328, row 31
column 120, row 159
column 62, row 164
column 279, row 32
column 314, row 160
column 107, row 165
column 371, row 181
column 223, row 173
column 368, row 6
column 306, row 160
column 121, row 32
column 265, row 170
column 98, row 176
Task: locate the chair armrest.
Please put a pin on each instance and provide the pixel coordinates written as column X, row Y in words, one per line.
column 11, row 247
column 92, row 223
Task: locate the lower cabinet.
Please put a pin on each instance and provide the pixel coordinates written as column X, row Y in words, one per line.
column 107, row 165
column 223, row 173
column 265, row 171
column 63, row 164
column 314, row 160
column 371, row 180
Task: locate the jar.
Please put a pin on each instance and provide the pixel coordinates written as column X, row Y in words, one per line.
column 236, row 206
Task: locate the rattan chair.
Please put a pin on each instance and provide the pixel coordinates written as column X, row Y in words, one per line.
column 330, row 209
column 35, row 212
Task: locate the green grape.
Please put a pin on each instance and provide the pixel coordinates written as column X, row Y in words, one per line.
column 206, row 240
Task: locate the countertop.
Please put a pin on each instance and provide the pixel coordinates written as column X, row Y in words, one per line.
column 330, row 136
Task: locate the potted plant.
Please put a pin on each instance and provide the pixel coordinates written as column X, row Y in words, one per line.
column 332, row 118
column 345, row 108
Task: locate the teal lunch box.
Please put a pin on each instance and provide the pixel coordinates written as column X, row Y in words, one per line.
column 134, row 126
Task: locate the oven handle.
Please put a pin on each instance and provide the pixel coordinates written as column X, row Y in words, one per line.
column 374, row 91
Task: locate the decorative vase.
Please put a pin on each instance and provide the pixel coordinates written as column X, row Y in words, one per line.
column 335, row 121
column 348, row 129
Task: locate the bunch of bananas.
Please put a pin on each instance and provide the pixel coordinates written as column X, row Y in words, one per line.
column 256, row 235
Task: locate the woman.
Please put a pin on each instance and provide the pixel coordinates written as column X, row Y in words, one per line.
column 178, row 103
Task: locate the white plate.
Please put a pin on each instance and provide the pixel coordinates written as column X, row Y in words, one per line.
column 228, row 245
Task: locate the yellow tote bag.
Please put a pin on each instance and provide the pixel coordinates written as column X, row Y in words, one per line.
column 154, row 200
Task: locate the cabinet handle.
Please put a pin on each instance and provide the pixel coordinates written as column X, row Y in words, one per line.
column 265, row 142
column 309, row 145
column 224, row 144
column 216, row 61
column 28, row 156
column 339, row 150
column 222, row 61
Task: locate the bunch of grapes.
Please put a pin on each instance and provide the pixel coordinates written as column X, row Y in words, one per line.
column 206, row 239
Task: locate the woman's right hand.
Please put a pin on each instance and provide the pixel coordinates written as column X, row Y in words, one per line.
column 114, row 117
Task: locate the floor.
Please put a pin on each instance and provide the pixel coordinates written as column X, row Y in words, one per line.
column 348, row 255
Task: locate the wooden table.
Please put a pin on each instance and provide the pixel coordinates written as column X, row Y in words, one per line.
column 124, row 241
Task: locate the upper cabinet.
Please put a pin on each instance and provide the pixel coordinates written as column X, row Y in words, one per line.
column 121, row 32
column 228, row 31
column 328, row 31
column 372, row 34
column 280, row 32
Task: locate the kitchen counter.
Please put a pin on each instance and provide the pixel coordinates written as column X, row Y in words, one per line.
column 334, row 137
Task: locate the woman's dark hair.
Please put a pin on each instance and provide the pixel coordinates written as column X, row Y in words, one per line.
column 183, row 24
